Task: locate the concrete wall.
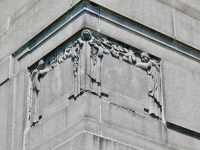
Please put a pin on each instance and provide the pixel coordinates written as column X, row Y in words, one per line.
column 167, row 30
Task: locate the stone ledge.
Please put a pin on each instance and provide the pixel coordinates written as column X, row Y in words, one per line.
column 113, row 122
column 11, row 35
column 5, row 67
column 24, row 26
column 132, row 34
column 89, row 141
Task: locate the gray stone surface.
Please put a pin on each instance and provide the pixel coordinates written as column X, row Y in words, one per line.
column 127, row 120
column 5, row 67
column 39, row 16
column 182, row 139
column 61, row 137
column 133, row 139
column 91, row 142
column 188, row 7
column 61, row 86
column 95, row 74
column 69, row 133
column 144, row 12
column 187, row 27
column 168, row 51
column 146, row 43
column 124, row 79
column 20, row 100
column 4, row 90
column 181, row 96
column 87, row 106
column 10, row 113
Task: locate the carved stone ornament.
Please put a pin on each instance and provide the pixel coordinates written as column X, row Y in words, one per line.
column 36, row 77
column 89, row 50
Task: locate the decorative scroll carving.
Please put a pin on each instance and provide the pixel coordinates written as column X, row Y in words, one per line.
column 36, row 77
column 86, row 54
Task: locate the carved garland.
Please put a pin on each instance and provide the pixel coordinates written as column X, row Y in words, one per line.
column 96, row 47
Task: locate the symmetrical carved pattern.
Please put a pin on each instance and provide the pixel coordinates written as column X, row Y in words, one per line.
column 89, row 50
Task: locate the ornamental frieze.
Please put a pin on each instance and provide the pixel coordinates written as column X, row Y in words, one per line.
column 87, row 53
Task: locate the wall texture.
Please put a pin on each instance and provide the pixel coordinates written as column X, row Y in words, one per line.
column 99, row 74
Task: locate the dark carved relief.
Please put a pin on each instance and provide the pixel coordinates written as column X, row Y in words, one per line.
column 86, row 54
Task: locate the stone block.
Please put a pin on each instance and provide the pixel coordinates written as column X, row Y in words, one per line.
column 20, row 64
column 87, row 141
column 85, row 106
column 56, row 106
column 145, row 12
column 46, row 129
column 94, row 142
column 5, row 67
column 92, row 126
column 115, row 120
column 187, row 30
column 64, row 146
column 59, row 138
column 57, row 83
column 33, row 22
column 124, row 79
column 67, row 136
column 188, row 7
column 181, row 96
column 124, row 119
column 128, row 103
column 182, row 139
column 132, row 139
column 111, row 29
column 20, row 103
column 3, row 24
column 22, row 8
column 4, row 107
column 56, row 123
column 10, row 113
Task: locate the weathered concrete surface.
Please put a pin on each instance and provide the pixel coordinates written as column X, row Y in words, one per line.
column 113, row 123
column 130, row 34
column 188, row 7
column 33, row 22
column 144, row 12
column 4, row 90
column 20, row 100
column 117, row 119
column 181, row 92
column 11, row 11
column 119, row 78
column 145, row 15
column 87, row 106
column 5, row 67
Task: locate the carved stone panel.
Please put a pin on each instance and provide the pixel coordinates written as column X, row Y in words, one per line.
column 57, row 83
column 128, row 82
column 100, row 66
